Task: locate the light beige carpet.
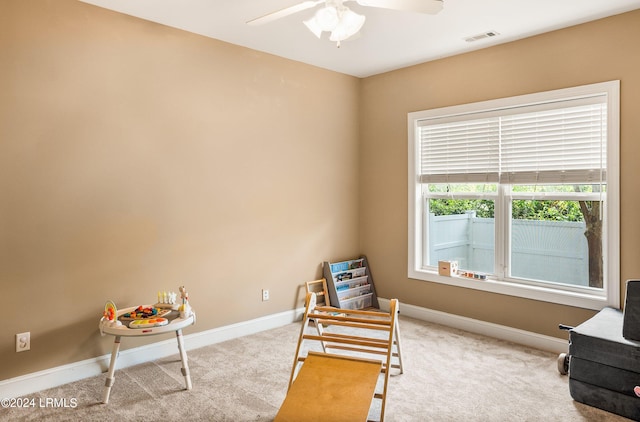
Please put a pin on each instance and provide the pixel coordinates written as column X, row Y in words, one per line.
column 450, row 375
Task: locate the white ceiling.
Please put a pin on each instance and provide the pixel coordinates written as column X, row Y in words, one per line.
column 389, row 39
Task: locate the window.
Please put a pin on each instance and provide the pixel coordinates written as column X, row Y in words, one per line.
column 523, row 192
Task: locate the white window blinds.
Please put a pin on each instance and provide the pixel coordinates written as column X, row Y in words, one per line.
column 460, row 151
column 555, row 142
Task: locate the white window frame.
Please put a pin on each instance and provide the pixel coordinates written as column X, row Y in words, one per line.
column 595, row 299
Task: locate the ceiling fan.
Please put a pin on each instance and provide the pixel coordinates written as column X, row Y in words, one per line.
column 341, row 21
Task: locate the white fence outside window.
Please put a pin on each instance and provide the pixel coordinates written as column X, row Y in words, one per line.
column 541, row 250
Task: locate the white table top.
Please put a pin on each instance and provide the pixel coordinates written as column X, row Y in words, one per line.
column 108, row 327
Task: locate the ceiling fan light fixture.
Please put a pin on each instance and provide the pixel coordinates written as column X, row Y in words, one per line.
column 340, row 21
column 313, row 26
column 349, row 25
column 327, row 18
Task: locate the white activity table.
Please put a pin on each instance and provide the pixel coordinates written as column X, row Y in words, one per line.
column 175, row 325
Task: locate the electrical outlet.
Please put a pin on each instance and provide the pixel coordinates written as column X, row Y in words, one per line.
column 23, row 342
column 265, row 294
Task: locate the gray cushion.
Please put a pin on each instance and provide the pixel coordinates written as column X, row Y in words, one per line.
column 604, row 376
column 605, row 399
column 631, row 325
column 599, row 339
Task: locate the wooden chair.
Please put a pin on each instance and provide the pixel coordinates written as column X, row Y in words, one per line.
column 341, row 382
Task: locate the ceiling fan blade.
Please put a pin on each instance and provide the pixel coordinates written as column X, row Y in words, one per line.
column 269, row 17
column 430, row 7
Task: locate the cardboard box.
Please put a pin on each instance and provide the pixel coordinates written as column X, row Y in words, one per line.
column 447, row 268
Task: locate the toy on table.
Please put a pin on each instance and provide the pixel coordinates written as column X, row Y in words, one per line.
column 142, row 312
column 167, row 300
column 148, row 323
column 110, row 314
column 185, row 308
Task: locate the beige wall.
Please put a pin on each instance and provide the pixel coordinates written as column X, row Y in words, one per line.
column 594, row 52
column 136, row 157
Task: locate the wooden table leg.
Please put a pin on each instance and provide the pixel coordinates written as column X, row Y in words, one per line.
column 112, row 368
column 183, row 358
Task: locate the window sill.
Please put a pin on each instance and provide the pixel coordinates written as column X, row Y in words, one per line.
column 543, row 294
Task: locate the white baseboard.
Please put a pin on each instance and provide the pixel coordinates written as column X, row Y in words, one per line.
column 502, row 332
column 53, row 377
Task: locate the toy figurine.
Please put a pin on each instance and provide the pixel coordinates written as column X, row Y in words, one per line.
column 167, row 298
column 185, row 308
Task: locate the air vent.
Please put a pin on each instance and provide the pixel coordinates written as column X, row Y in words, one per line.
column 482, row 36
